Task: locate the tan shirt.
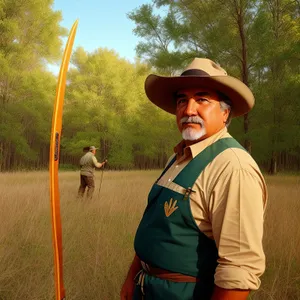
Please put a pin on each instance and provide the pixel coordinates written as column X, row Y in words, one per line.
column 88, row 162
column 228, row 205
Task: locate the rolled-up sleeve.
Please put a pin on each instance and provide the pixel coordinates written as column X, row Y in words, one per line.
column 96, row 164
column 237, row 214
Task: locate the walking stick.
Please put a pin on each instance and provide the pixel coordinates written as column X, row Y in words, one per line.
column 53, row 167
column 101, row 178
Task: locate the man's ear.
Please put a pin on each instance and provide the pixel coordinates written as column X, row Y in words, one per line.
column 226, row 113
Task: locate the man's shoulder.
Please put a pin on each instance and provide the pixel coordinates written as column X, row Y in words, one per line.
column 86, row 156
column 236, row 158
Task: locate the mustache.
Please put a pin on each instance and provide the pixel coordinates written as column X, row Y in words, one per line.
column 193, row 119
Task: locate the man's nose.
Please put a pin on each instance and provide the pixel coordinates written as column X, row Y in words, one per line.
column 191, row 108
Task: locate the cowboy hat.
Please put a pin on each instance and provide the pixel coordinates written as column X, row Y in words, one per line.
column 202, row 72
column 92, row 148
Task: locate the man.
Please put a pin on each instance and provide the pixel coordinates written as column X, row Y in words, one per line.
column 88, row 162
column 201, row 234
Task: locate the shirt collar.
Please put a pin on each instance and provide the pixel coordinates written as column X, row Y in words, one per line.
column 182, row 151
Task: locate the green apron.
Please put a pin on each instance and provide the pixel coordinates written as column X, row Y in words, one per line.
column 169, row 238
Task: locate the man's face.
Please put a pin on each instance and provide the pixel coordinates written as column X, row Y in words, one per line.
column 199, row 114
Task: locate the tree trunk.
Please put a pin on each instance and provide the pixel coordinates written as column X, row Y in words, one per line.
column 245, row 78
column 273, row 164
column 247, row 142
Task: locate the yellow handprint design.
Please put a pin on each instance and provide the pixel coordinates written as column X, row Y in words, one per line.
column 170, row 207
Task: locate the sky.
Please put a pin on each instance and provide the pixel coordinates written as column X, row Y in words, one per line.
column 101, row 24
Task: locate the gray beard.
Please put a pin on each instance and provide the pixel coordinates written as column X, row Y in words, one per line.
column 191, row 134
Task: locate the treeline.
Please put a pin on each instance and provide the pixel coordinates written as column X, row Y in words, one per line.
column 257, row 41
column 105, row 104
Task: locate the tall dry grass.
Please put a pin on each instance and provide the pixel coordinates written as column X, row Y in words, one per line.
column 282, row 240
column 98, row 235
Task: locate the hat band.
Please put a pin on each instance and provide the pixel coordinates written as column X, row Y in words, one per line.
column 194, row 72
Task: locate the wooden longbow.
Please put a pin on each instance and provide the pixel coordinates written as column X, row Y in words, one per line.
column 53, row 166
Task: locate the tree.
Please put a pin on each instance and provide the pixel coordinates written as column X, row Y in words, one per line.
column 106, row 106
column 30, row 34
column 256, row 41
column 279, row 76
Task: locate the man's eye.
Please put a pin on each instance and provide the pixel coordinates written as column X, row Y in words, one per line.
column 180, row 101
column 202, row 100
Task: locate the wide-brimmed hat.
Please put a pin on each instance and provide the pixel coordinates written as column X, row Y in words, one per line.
column 93, row 148
column 202, row 72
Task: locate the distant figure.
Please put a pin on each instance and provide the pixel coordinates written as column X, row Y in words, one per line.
column 88, row 162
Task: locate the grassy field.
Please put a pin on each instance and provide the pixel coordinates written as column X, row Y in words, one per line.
column 98, row 235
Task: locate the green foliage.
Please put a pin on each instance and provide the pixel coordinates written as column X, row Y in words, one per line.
column 68, row 167
column 106, row 106
column 256, row 41
column 105, row 103
column 30, row 34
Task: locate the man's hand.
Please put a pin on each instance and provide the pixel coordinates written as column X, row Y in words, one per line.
column 129, row 284
column 224, row 294
column 128, row 288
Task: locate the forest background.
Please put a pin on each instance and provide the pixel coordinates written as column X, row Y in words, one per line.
column 105, row 104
